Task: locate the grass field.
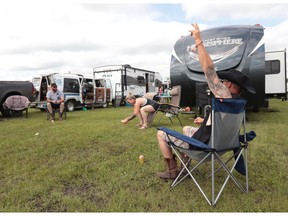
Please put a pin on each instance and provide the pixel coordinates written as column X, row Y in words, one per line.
column 89, row 163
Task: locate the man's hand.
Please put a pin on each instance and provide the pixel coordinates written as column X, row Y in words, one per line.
column 198, row 120
column 196, row 33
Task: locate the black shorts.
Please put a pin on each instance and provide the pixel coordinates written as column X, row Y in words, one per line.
column 155, row 105
column 55, row 106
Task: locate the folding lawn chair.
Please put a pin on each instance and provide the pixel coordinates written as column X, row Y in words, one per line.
column 171, row 109
column 228, row 119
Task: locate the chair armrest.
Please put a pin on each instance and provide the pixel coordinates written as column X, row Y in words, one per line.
column 249, row 137
column 166, row 106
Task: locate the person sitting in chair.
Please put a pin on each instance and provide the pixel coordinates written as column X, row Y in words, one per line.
column 223, row 84
column 55, row 100
column 141, row 107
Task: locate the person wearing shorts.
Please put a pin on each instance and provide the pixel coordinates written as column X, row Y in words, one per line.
column 142, row 106
column 55, row 100
column 223, row 84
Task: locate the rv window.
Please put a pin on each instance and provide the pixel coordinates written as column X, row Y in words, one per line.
column 158, row 83
column 71, row 85
column 50, row 79
column 98, row 83
column 36, row 82
column 151, row 78
column 88, row 81
column 140, row 80
column 272, row 67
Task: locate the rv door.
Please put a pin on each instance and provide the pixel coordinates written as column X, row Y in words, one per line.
column 42, row 84
column 37, row 85
column 109, row 90
column 45, row 83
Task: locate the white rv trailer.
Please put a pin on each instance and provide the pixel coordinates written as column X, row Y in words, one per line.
column 276, row 74
column 125, row 79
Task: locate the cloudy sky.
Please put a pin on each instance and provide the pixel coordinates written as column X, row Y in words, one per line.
column 38, row 38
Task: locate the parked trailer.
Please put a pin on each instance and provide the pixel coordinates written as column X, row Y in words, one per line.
column 79, row 91
column 125, row 79
column 276, row 74
column 230, row 47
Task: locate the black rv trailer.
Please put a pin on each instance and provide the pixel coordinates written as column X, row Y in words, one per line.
column 230, row 47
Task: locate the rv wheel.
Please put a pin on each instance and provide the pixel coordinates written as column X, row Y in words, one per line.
column 70, row 106
column 256, row 109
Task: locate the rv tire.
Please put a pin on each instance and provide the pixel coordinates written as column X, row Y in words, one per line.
column 10, row 113
column 256, row 109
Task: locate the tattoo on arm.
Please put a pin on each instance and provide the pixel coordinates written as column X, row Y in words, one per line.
column 131, row 117
column 215, row 85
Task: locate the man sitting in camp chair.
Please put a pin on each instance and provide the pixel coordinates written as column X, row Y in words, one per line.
column 55, row 100
column 223, row 84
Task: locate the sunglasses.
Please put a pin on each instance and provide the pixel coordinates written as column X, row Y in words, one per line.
column 224, row 80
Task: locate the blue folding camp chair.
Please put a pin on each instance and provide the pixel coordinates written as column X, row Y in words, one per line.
column 228, row 120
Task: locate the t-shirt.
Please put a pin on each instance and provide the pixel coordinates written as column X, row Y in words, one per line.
column 55, row 95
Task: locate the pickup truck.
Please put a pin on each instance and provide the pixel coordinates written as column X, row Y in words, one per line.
column 8, row 88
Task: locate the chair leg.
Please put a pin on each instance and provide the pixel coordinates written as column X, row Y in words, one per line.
column 65, row 115
column 179, row 120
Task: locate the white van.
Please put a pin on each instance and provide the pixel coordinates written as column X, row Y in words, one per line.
column 78, row 91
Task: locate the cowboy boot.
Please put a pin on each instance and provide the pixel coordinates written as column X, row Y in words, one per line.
column 52, row 116
column 50, row 111
column 172, row 169
column 60, row 116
